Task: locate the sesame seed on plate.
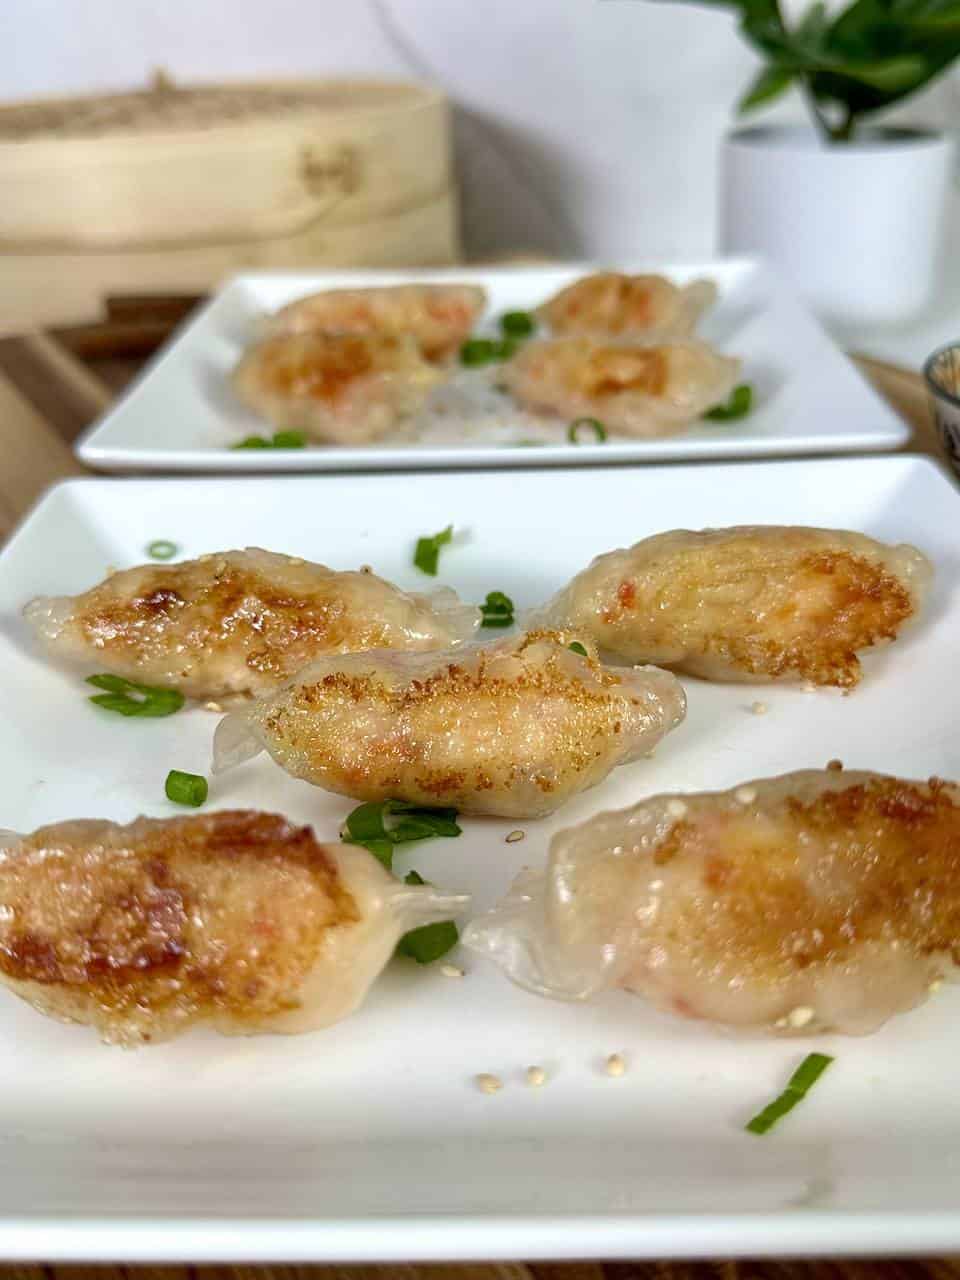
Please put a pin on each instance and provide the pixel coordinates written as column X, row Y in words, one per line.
column 514, row 836
column 451, row 971
column 759, row 708
column 488, row 1083
column 745, row 795
column 536, row 1076
column 615, row 1065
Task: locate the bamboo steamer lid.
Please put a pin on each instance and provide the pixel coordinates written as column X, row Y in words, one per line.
column 222, row 163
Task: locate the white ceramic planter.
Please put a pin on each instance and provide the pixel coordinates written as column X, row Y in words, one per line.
column 856, row 226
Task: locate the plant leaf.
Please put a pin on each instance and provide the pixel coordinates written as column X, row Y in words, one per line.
column 767, row 85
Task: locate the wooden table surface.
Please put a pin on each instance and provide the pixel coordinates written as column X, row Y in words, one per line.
column 52, row 384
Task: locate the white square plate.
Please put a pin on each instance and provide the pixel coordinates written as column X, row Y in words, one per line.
column 182, row 416
column 370, row 1140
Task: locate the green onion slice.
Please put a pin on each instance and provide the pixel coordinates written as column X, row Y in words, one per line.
column 427, row 554
column 576, row 429
column 477, row 351
column 185, row 788
column 497, row 610
column 738, row 406
column 517, row 324
column 129, row 699
column 281, row 440
column 430, row 941
column 161, row 549
column 380, row 825
column 799, row 1085
column 577, row 647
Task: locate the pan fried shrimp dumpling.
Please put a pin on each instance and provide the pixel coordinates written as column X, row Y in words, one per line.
column 237, row 919
column 755, row 602
column 438, row 316
column 628, row 306
column 640, row 389
column 337, row 388
column 513, row 728
column 239, row 622
column 816, row 901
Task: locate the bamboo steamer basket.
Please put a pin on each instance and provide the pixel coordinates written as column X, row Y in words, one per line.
column 174, row 188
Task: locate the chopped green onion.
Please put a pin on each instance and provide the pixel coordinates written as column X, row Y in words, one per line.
column 477, row 351
column 528, row 444
column 497, row 610
column 586, row 424
column 577, row 647
column 129, row 699
column 368, row 825
column 162, row 549
column 505, row 348
column 738, row 406
column 803, row 1079
column 185, row 788
column 427, row 554
column 281, row 440
column 430, row 941
column 517, row 324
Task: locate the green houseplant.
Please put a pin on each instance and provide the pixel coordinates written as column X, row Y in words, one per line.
column 861, row 60
column 851, row 211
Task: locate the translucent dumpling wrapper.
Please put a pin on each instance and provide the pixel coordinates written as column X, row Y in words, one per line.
column 749, row 603
column 237, row 919
column 642, row 388
column 239, row 622
column 336, row 388
column 439, row 317
column 816, row 901
column 628, row 306
column 513, row 728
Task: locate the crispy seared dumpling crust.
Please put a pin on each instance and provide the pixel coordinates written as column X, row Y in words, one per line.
column 513, row 728
column 628, row 306
column 438, row 316
column 754, row 602
column 239, row 622
column 642, row 389
column 817, row 901
column 336, row 388
column 239, row 919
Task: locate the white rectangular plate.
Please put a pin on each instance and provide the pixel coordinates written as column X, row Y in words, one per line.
column 182, row 415
column 370, row 1140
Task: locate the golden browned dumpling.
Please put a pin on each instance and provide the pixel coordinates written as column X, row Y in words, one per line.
column 513, row 728
column 816, row 901
column 438, row 316
column 755, row 602
column 641, row 389
column 238, row 919
column 336, row 388
column 239, row 622
column 628, row 306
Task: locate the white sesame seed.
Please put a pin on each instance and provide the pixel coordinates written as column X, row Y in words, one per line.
column 799, row 1017
column 835, row 766
column 451, row 971
column 745, row 795
column 536, row 1076
column 759, row 708
column 648, row 755
column 212, row 706
column 615, row 1065
column 935, row 986
column 366, row 568
column 111, row 570
column 809, row 686
column 514, row 836
column 296, row 560
column 488, row 1083
column 676, row 808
